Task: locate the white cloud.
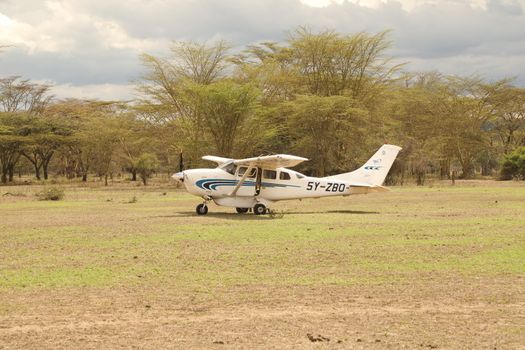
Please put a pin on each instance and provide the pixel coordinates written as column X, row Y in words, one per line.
column 91, row 48
column 107, row 92
column 407, row 5
column 65, row 29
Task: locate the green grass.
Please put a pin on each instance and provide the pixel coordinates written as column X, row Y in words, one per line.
column 95, row 238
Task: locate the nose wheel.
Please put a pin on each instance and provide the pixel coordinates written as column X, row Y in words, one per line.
column 202, row 209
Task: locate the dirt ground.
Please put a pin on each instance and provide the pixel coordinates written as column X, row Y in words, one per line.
column 444, row 268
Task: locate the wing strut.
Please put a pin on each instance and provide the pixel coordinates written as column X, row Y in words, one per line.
column 241, row 181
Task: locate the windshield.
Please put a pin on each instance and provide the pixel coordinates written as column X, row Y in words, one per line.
column 229, row 167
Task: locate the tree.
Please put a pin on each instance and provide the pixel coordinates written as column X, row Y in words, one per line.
column 18, row 95
column 509, row 121
column 221, row 109
column 18, row 99
column 333, row 64
column 514, row 165
column 44, row 136
column 146, row 165
column 10, row 145
column 163, row 84
column 330, row 131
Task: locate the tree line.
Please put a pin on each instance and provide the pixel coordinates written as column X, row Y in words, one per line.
column 331, row 97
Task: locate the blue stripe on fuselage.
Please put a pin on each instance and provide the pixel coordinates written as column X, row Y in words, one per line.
column 212, row 184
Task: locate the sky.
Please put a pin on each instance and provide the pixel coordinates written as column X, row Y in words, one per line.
column 91, row 48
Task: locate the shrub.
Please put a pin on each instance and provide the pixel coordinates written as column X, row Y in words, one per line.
column 514, row 165
column 146, row 165
column 51, row 194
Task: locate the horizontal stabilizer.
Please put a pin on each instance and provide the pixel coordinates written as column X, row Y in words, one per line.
column 366, row 188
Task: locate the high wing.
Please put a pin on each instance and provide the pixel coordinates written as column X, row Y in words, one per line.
column 267, row 162
column 271, row 162
column 218, row 160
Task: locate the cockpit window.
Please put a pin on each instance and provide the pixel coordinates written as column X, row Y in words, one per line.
column 243, row 169
column 270, row 174
column 283, row 175
column 300, row 176
column 229, row 168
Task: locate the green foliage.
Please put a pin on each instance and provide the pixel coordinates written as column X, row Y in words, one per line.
column 51, row 194
column 221, row 110
column 514, row 165
column 332, row 97
column 146, row 165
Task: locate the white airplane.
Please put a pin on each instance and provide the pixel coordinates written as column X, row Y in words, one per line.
column 261, row 181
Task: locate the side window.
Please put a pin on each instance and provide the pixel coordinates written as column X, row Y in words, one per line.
column 270, row 174
column 243, row 169
column 284, row 175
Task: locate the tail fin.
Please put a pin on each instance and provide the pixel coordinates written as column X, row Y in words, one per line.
column 375, row 169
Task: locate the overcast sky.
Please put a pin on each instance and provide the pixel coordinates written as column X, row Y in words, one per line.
column 90, row 48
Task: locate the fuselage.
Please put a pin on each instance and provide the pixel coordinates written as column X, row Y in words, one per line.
column 275, row 185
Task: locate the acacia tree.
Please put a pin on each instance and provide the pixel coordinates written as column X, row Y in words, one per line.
column 18, row 100
column 162, row 86
column 20, row 95
column 330, row 131
column 223, row 108
column 146, row 164
column 509, row 121
column 104, row 145
column 10, row 145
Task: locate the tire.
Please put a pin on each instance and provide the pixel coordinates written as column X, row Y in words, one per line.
column 259, row 209
column 202, row 209
column 242, row 210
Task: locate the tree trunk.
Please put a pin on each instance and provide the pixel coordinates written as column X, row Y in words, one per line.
column 105, row 179
column 420, row 178
column 133, row 175
column 444, row 169
column 84, row 177
column 467, row 170
column 144, row 180
column 45, row 164
column 11, row 173
column 4, row 176
column 37, row 171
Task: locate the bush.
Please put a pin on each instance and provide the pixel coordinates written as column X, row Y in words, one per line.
column 51, row 194
column 514, row 165
column 146, row 165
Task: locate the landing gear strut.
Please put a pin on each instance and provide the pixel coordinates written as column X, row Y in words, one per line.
column 202, row 209
column 259, row 209
column 242, row 210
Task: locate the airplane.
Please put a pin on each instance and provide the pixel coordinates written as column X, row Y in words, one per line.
column 257, row 183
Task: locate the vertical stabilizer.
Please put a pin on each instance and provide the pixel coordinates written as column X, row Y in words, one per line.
column 375, row 170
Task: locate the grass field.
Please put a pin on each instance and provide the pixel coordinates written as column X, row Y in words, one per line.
column 439, row 267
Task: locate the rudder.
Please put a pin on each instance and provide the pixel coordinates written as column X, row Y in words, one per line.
column 375, row 170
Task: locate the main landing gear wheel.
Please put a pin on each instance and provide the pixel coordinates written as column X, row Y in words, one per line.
column 202, row 209
column 242, row 210
column 259, row 209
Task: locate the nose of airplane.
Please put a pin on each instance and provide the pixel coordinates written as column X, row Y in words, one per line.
column 178, row 176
